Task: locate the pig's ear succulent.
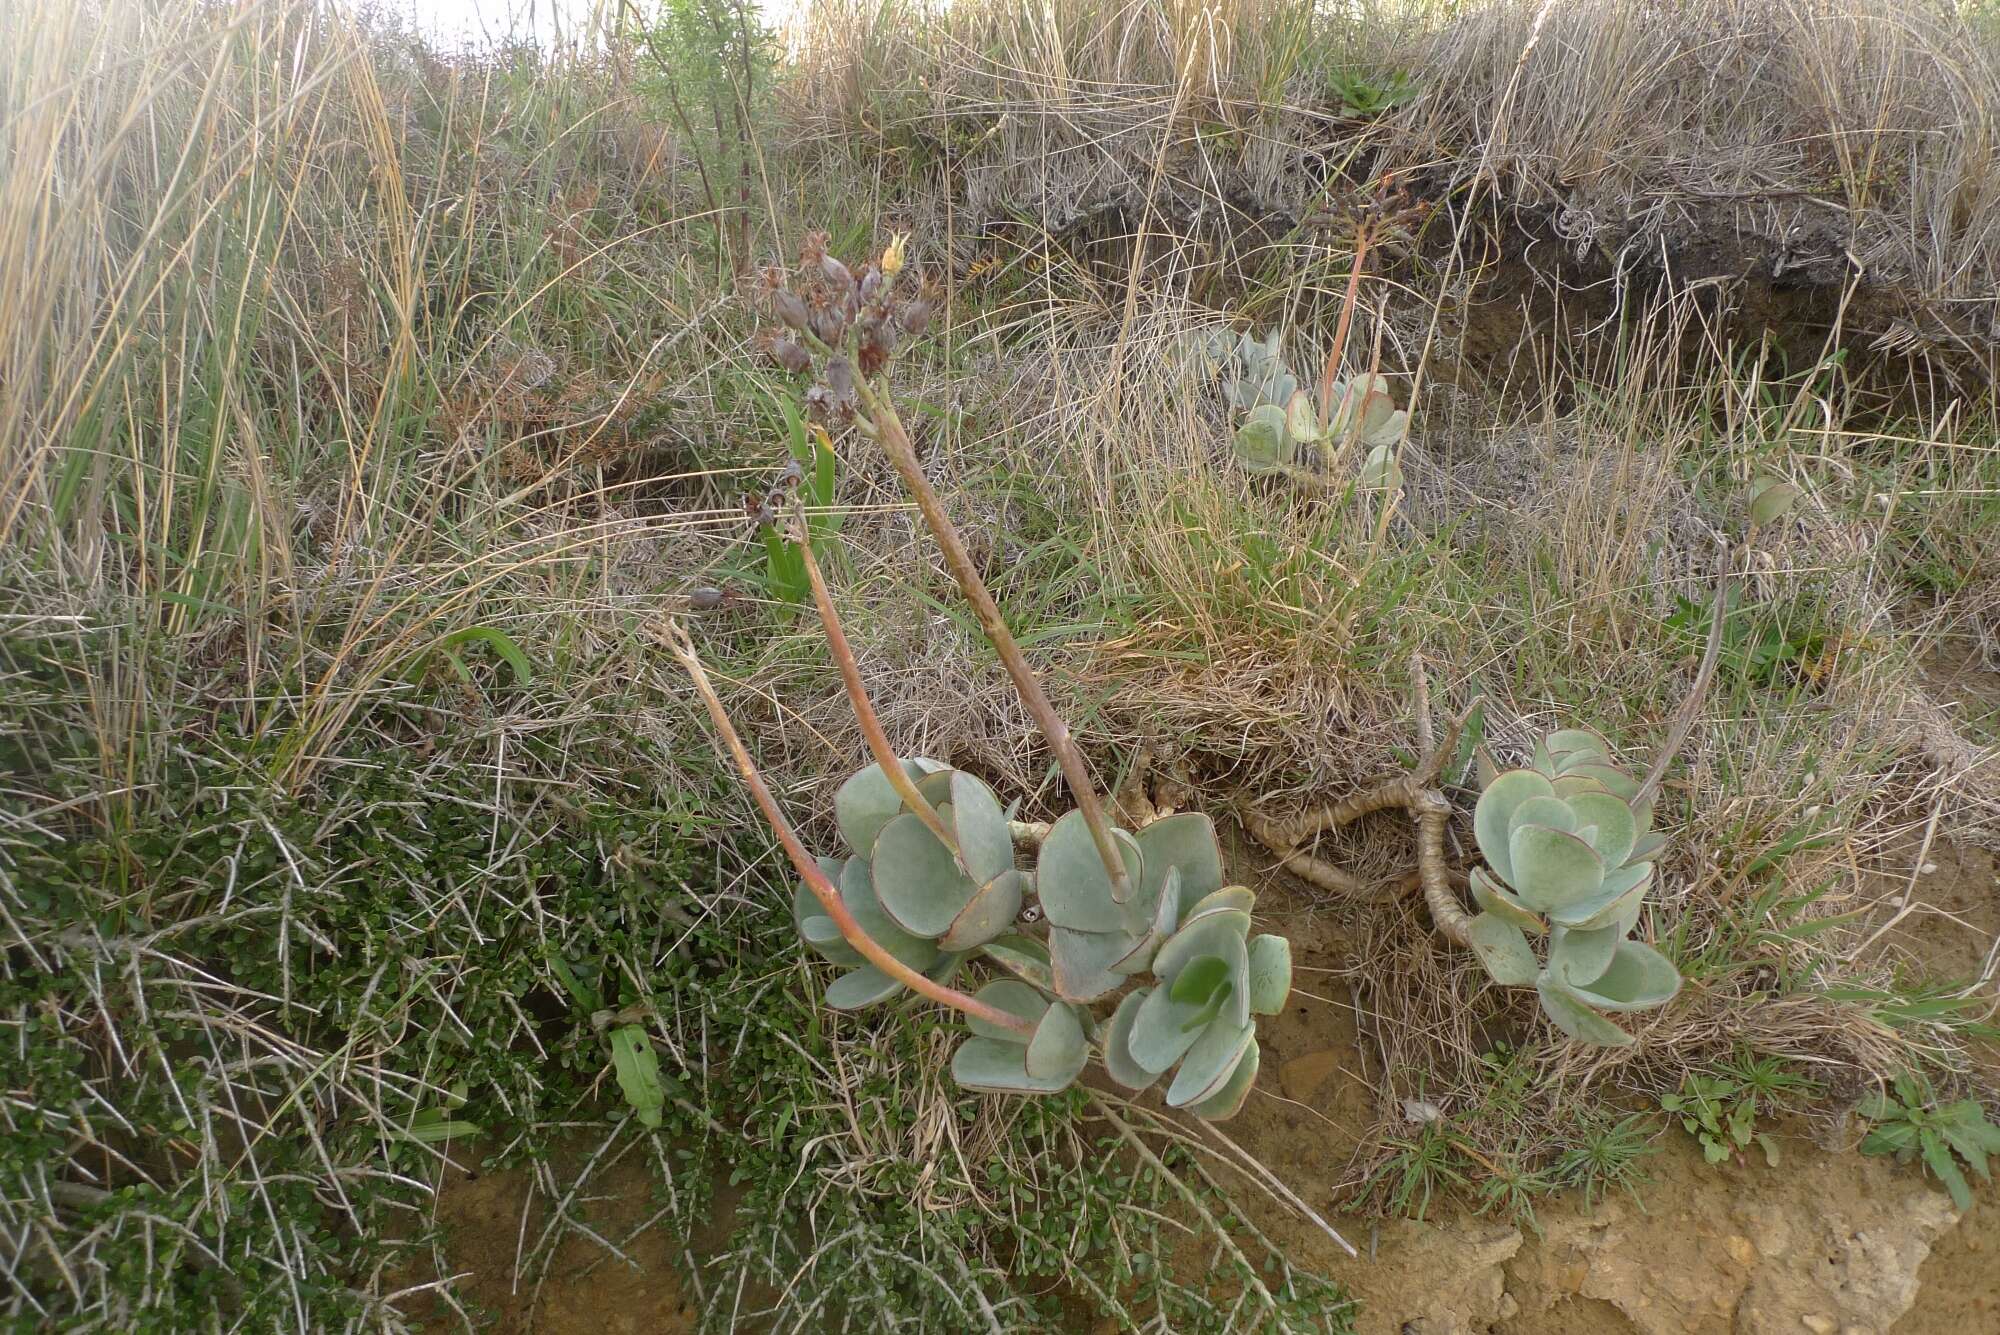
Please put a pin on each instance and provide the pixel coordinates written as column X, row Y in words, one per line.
column 1198, row 1018
column 1001, row 1061
column 864, row 984
column 1281, row 430
column 1569, row 854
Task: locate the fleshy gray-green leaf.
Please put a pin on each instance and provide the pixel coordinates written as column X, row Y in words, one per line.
column 1226, row 1102
column 1551, row 867
column 1270, row 970
column 916, row 878
column 1499, row 901
column 1071, row 881
column 991, row 911
column 1058, row 1050
column 1493, row 817
column 1161, row 1030
column 1082, row 962
column 1221, row 933
column 979, row 823
column 1578, row 956
column 1119, row 1062
column 1206, row 1068
column 1639, row 978
column 1502, row 950
column 1016, row 998
column 1185, row 841
column 857, row 891
column 861, row 987
column 1025, row 958
column 1577, row 1020
column 992, row 1067
column 866, row 802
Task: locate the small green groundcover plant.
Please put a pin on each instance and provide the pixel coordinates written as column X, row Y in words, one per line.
column 1912, row 1124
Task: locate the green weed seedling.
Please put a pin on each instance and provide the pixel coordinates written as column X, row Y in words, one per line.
column 1911, row 1124
column 1721, row 1111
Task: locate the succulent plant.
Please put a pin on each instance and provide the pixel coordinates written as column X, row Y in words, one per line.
column 1281, row 430
column 1569, row 852
column 959, row 900
column 933, row 909
column 1213, row 977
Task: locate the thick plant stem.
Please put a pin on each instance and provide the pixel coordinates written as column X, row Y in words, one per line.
column 1429, row 808
column 822, row 889
column 857, row 695
column 895, row 441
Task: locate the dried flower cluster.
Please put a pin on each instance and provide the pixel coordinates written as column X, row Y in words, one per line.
column 847, row 323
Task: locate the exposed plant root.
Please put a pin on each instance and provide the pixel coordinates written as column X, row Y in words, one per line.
column 1415, row 793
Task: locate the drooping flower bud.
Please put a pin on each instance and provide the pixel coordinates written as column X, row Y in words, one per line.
column 914, row 317
column 790, row 355
column 790, row 309
column 829, row 325
column 836, row 273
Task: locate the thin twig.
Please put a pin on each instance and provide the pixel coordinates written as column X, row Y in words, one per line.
column 677, row 642
column 1718, row 614
column 1186, row 1193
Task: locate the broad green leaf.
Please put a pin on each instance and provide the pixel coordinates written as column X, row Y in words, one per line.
column 1617, row 901
column 638, row 1069
column 1553, row 812
column 1198, row 980
column 1937, row 1155
column 500, row 643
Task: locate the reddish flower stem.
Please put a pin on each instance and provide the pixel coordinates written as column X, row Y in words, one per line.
column 822, row 889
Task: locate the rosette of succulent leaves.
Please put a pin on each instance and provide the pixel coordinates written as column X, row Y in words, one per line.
column 1178, row 945
column 1570, row 854
column 1282, row 431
